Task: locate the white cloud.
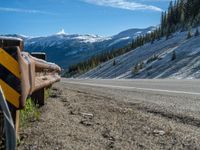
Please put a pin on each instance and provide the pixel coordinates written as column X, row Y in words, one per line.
column 124, row 4
column 157, row 0
column 31, row 11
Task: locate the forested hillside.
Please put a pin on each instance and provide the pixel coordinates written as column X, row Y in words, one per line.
column 182, row 15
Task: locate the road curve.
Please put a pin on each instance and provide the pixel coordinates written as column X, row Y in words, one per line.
column 191, row 87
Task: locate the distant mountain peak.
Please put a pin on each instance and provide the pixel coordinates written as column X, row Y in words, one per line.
column 61, row 32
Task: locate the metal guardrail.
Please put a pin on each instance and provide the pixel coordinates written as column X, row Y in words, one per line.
column 36, row 74
column 22, row 75
column 8, row 123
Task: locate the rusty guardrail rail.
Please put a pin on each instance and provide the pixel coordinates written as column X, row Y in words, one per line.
column 22, row 75
column 36, row 75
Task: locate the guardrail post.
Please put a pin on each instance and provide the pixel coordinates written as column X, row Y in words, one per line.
column 39, row 97
column 10, row 79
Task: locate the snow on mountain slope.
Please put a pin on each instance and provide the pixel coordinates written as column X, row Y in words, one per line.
column 133, row 33
column 118, row 40
column 68, row 49
column 186, row 65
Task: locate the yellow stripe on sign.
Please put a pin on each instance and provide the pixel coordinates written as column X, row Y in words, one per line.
column 10, row 94
column 9, row 62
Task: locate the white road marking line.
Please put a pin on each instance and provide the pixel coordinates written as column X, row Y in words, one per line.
column 129, row 87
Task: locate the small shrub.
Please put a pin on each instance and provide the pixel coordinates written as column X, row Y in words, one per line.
column 46, row 93
column 141, row 66
column 153, row 58
column 30, row 113
column 135, row 69
column 173, row 56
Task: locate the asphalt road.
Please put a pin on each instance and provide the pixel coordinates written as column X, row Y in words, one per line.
column 191, row 87
column 117, row 114
column 177, row 97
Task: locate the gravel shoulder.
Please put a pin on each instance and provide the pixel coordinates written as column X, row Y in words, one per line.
column 76, row 118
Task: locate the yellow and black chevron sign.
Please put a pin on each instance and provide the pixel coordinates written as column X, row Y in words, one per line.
column 10, row 78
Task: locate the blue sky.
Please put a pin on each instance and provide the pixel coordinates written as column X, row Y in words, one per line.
column 102, row 17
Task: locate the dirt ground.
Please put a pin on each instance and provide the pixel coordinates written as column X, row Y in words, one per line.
column 77, row 119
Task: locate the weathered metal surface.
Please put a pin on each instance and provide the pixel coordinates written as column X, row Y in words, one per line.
column 10, row 77
column 39, row 55
column 11, row 41
column 37, row 73
column 22, row 75
column 9, row 127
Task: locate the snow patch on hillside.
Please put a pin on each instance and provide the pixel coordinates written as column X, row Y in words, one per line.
column 91, row 38
column 118, row 40
column 185, row 66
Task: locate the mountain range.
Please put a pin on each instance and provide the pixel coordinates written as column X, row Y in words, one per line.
column 68, row 49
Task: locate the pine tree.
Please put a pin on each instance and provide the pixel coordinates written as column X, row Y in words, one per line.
column 162, row 23
column 135, row 69
column 168, row 33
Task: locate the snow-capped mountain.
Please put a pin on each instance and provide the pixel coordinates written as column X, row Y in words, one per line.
column 155, row 60
column 68, row 49
column 132, row 33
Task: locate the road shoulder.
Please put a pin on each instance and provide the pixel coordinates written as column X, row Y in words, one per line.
column 74, row 118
